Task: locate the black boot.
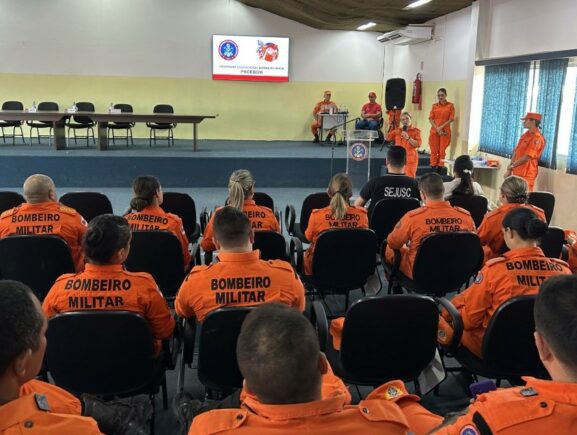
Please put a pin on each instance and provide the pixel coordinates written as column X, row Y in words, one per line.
column 329, row 137
column 118, row 417
column 316, row 139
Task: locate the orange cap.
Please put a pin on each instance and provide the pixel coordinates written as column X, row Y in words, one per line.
column 328, row 92
column 532, row 115
column 372, row 94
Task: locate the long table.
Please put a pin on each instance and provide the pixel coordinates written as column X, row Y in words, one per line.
column 58, row 120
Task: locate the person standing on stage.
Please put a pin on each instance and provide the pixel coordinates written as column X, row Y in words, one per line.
column 324, row 106
column 371, row 114
column 526, row 155
column 441, row 116
column 409, row 138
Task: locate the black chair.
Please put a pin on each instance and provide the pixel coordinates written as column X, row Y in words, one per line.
column 545, row 201
column 312, row 201
column 160, row 254
column 383, row 338
column 474, row 204
column 79, row 122
column 88, row 204
column 44, row 106
column 12, row 105
column 37, row 261
column 444, row 263
column 10, row 200
column 263, row 199
column 127, row 126
column 386, row 214
column 552, row 242
column 87, row 354
column 166, row 126
column 272, row 245
column 182, row 205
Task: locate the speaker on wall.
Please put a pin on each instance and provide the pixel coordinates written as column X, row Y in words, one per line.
column 395, row 93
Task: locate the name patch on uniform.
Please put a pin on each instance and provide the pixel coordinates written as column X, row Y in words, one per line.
column 533, row 265
column 94, row 302
column 444, row 225
column 238, row 290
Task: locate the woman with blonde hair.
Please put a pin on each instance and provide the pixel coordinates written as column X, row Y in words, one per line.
column 240, row 193
column 338, row 214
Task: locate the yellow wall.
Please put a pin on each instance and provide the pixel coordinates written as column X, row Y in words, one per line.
column 247, row 110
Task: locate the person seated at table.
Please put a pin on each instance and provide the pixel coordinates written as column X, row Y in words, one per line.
column 324, row 106
column 409, row 138
column 371, row 114
column 463, row 183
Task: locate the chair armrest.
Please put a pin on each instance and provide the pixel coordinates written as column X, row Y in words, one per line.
column 188, row 328
column 203, row 219
column 296, row 254
column 321, row 324
column 564, row 253
column 457, row 322
column 289, row 219
column 195, row 254
column 208, row 257
column 278, row 215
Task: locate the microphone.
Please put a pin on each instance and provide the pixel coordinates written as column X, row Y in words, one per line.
column 405, row 127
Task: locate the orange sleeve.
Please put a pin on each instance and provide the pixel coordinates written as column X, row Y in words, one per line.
column 476, row 301
column 432, row 112
column 452, row 112
column 182, row 305
column 299, row 290
column 61, row 401
column 157, row 312
column 400, row 234
column 311, row 230
column 485, row 232
column 536, row 150
column 392, row 134
column 183, row 239
column 207, row 244
column 417, row 136
column 274, row 225
column 49, row 305
column 317, row 108
column 364, row 221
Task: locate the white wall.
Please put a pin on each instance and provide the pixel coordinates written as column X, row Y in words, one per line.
column 166, row 38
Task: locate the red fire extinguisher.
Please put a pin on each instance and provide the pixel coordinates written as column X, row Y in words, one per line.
column 417, row 91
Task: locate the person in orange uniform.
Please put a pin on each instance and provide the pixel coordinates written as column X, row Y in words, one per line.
column 239, row 277
column 526, row 155
column 540, row 406
column 339, row 214
column 513, row 194
column 42, row 214
column 240, row 193
column 409, row 138
column 371, row 114
column 105, row 285
column 148, row 215
column 571, row 245
column 518, row 272
column 284, row 382
column 436, row 216
column 441, row 116
column 23, row 409
column 324, row 106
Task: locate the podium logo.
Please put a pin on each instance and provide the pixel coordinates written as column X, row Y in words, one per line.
column 267, row 51
column 228, row 49
column 359, row 151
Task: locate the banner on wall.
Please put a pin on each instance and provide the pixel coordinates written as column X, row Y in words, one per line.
column 252, row 58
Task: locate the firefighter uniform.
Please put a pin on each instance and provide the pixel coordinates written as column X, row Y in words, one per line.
column 47, row 218
column 238, row 279
column 440, row 113
column 532, row 144
column 412, row 154
column 61, row 401
column 322, row 107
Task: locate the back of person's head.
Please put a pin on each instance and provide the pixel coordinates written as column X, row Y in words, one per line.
column 231, row 228
column 515, row 190
column 39, row 188
column 431, row 184
column 106, row 235
column 21, row 322
column 397, row 157
column 340, row 190
column 240, row 187
column 278, row 355
column 464, row 170
column 525, row 223
column 556, row 318
column 144, row 190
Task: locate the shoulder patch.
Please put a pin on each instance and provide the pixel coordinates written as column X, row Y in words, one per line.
column 41, row 402
column 218, row 420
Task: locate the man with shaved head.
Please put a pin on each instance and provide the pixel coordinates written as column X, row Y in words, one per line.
column 43, row 215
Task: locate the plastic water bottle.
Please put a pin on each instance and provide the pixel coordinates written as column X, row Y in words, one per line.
column 34, row 105
column 74, row 106
column 111, row 108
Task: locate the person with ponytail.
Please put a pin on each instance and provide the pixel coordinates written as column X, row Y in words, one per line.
column 339, row 214
column 147, row 215
column 105, row 285
column 514, row 193
column 463, row 183
column 513, row 274
column 240, row 194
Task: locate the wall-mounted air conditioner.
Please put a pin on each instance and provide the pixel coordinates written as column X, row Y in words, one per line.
column 412, row 34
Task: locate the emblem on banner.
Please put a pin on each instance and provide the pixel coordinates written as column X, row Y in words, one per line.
column 228, row 49
column 359, row 151
column 267, row 51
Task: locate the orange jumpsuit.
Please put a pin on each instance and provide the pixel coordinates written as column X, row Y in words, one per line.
column 261, row 219
column 321, row 107
column 32, row 413
column 435, row 217
column 61, row 401
column 155, row 218
column 394, row 118
column 387, row 410
column 539, row 407
column 519, row 272
column 440, row 113
column 491, row 229
column 110, row 287
column 238, row 279
column 532, row 144
column 47, row 218
column 412, row 154
column 322, row 219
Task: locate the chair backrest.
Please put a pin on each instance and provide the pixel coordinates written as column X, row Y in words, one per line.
column 37, row 261
column 446, row 261
column 312, row 201
column 272, row 245
column 391, row 337
column 163, row 108
column 12, row 105
column 84, row 106
column 474, row 204
column 344, row 259
column 508, row 345
column 182, row 205
column 88, row 204
column 387, row 212
column 86, row 353
column 10, row 200
column 552, row 242
column 124, row 108
column 264, row 200
column 217, row 366
column 160, row 254
column 545, row 201
column 45, row 106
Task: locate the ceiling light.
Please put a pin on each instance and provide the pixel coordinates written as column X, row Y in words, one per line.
column 367, row 26
column 416, row 4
